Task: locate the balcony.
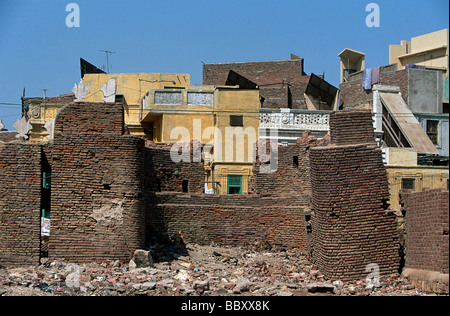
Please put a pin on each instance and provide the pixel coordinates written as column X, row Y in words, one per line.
column 290, row 124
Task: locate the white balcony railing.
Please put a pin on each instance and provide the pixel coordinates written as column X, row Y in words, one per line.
column 287, row 119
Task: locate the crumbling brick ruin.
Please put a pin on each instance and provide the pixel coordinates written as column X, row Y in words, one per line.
column 270, row 215
column 426, row 238
column 111, row 193
column 427, row 223
column 20, row 203
column 352, row 227
column 96, row 201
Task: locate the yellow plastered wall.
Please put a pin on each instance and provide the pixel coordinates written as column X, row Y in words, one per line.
column 133, row 86
column 236, row 142
column 178, row 122
column 194, row 124
column 429, row 50
column 211, row 125
column 431, row 177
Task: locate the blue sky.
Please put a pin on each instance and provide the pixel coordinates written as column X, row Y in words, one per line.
column 38, row 51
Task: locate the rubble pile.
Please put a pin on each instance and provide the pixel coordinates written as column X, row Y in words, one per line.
column 199, row 270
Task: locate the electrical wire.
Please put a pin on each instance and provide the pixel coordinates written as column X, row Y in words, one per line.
column 398, row 114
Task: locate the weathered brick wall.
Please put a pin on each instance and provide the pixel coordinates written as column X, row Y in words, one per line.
column 426, row 229
column 352, row 93
column 291, row 177
column 97, row 202
column 351, row 227
column 228, row 220
column 273, row 213
column 351, row 127
column 162, row 174
column 20, row 203
column 280, row 82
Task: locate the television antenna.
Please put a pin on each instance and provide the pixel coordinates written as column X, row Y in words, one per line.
column 45, row 92
column 108, row 52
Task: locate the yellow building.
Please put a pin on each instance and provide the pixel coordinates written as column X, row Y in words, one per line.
column 129, row 89
column 405, row 174
column 225, row 119
column 166, row 109
column 429, row 50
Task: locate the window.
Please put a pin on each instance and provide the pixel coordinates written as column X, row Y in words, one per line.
column 45, row 213
column 432, row 131
column 236, row 120
column 348, row 72
column 408, row 184
column 234, row 184
column 172, row 87
column 46, row 180
column 185, row 186
column 295, row 161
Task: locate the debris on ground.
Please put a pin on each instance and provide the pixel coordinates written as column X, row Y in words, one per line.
column 196, row 271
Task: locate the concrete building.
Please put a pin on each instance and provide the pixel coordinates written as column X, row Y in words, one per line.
column 224, row 119
column 428, row 50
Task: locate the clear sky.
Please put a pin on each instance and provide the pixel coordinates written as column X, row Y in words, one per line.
column 38, row 51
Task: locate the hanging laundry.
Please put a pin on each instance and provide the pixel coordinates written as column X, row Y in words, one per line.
column 376, row 75
column 367, row 79
column 414, row 66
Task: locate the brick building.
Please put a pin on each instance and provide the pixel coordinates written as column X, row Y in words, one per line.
column 110, row 193
column 282, row 84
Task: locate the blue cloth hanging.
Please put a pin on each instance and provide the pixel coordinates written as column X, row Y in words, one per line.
column 367, row 79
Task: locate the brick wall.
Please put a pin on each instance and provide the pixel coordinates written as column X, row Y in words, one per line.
column 351, row 227
column 20, row 203
column 111, row 194
column 351, row 127
column 228, row 220
column 426, row 228
column 291, row 177
column 163, row 175
column 97, row 201
column 280, row 82
column 273, row 213
column 352, row 93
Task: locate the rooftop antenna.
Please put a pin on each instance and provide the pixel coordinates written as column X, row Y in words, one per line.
column 107, row 58
column 45, row 92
